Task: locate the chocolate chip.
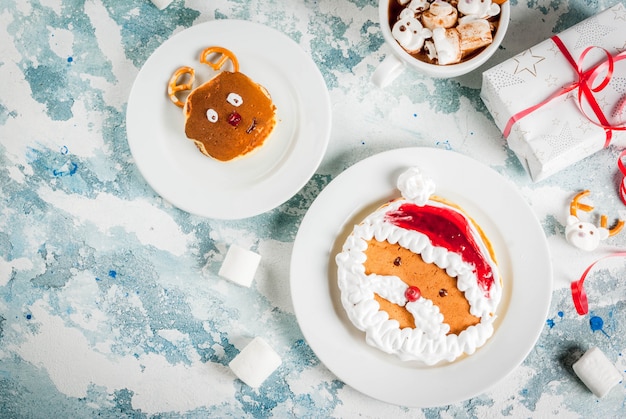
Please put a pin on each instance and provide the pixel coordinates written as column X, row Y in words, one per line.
column 252, row 126
column 397, row 261
column 443, row 292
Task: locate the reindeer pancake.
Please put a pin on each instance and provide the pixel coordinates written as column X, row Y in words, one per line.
column 419, row 277
column 228, row 116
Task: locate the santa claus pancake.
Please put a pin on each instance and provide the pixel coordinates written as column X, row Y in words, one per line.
column 419, row 277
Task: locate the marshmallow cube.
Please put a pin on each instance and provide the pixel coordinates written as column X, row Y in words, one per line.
column 597, row 372
column 240, row 265
column 255, row 363
column 161, row 4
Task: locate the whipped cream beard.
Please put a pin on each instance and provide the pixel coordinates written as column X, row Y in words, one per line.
column 443, row 31
column 430, row 340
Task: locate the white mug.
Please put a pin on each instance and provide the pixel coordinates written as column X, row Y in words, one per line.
column 396, row 62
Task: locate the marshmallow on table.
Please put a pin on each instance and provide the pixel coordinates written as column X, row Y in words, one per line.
column 255, row 363
column 161, row 4
column 239, row 265
column 597, row 372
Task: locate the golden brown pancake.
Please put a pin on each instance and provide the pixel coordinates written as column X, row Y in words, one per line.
column 229, row 116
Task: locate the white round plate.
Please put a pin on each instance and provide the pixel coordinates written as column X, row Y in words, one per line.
column 520, row 248
column 251, row 184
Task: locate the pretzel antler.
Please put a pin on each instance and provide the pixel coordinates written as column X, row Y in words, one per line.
column 174, row 85
column 222, row 55
column 616, row 228
column 575, row 205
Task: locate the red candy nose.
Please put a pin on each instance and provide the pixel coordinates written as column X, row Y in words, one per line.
column 234, row 119
column 412, row 294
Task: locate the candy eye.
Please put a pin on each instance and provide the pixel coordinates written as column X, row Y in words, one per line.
column 211, row 115
column 234, row 99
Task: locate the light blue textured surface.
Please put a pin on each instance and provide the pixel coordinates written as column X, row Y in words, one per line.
column 110, row 302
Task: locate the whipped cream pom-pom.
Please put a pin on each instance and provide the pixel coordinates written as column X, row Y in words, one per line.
column 409, row 32
column 478, row 8
column 415, row 187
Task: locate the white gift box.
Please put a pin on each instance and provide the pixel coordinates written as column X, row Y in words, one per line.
column 549, row 127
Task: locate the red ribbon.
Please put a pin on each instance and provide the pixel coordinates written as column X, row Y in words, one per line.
column 578, row 291
column 622, row 168
column 584, row 83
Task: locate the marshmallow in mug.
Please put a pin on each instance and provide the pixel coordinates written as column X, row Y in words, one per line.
column 440, row 14
column 437, row 30
column 409, row 32
column 478, row 8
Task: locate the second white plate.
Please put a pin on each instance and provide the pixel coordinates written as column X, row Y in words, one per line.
column 520, row 247
column 247, row 186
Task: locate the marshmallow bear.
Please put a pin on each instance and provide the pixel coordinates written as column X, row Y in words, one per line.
column 409, row 32
column 417, row 5
column 478, row 8
column 440, row 14
column 584, row 235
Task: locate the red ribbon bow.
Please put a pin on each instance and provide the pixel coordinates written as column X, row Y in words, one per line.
column 586, row 89
column 584, row 83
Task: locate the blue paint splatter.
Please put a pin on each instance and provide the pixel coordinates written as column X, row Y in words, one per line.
column 550, row 323
column 596, row 323
column 70, row 59
column 445, row 144
column 29, row 316
column 560, row 314
column 68, row 169
column 112, row 273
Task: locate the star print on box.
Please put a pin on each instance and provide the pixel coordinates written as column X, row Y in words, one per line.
column 591, row 32
column 561, row 142
column 527, row 61
column 502, row 79
column 525, row 95
column 620, row 13
column 551, row 81
column 620, row 109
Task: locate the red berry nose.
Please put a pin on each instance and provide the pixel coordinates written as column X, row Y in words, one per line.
column 234, row 119
column 412, row 294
